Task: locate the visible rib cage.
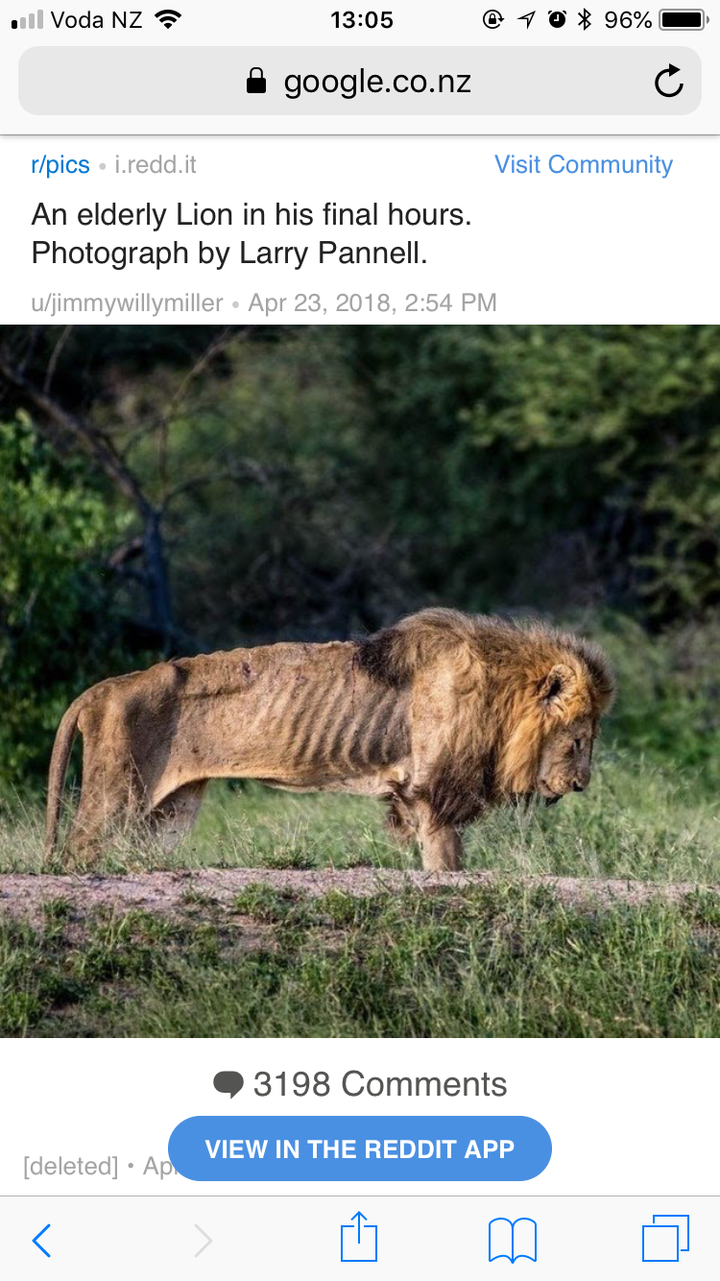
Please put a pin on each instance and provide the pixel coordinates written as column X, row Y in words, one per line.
column 333, row 720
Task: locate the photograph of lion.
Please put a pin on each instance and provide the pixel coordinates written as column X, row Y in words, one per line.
column 304, row 634
column 441, row 716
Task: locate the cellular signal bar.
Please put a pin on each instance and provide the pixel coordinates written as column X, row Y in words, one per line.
column 33, row 22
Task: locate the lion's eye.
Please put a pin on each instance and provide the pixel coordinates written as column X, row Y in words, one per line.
column 578, row 744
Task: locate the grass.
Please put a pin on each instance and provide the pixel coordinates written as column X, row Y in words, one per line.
column 637, row 822
column 500, row 959
column 493, row 961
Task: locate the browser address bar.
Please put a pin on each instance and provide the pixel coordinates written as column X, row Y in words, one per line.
column 324, row 81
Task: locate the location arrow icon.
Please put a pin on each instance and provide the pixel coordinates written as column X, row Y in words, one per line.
column 208, row 1240
column 527, row 17
column 36, row 1241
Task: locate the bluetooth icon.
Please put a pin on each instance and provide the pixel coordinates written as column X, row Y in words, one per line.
column 584, row 19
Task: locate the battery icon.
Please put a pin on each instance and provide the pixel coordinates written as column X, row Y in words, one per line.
column 682, row 19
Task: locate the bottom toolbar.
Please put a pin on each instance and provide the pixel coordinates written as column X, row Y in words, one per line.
column 314, row 1237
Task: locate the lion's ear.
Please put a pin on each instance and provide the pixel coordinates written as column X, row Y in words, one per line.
column 559, row 685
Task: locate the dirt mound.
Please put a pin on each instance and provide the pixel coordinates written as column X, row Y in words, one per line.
column 23, row 895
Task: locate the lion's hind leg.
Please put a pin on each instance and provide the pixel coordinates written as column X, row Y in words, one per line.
column 108, row 811
column 174, row 817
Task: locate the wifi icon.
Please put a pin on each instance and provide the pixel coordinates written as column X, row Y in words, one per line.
column 168, row 17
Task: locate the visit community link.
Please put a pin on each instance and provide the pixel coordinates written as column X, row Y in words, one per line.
column 589, row 165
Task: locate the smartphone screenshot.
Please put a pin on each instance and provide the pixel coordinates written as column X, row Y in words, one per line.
column 359, row 640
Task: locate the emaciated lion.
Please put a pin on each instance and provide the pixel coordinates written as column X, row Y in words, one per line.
column 442, row 716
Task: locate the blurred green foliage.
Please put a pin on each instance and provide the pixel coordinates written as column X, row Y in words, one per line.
column 56, row 626
column 318, row 482
column 582, row 459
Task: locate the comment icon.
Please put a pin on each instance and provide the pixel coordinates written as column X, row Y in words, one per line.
column 228, row 1083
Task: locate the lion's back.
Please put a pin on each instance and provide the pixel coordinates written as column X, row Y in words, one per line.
column 297, row 711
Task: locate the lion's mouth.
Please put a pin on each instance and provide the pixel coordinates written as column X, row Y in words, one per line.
column 549, row 795
column 526, row 798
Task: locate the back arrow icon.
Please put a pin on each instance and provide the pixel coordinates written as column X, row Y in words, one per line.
column 208, row 1240
column 36, row 1241
column 670, row 70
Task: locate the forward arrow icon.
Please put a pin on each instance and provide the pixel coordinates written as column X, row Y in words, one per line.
column 208, row 1240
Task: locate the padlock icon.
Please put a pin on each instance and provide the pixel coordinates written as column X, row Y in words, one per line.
column 256, row 82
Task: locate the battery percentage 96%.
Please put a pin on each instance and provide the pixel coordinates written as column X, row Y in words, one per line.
column 627, row 19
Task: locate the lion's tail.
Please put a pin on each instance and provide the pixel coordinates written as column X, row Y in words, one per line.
column 59, row 761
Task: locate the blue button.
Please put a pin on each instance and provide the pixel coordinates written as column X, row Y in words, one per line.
column 393, row 1148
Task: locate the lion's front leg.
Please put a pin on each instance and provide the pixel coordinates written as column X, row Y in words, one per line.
column 441, row 850
column 441, row 847
column 401, row 821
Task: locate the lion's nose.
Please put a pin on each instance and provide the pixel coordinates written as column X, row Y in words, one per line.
column 578, row 786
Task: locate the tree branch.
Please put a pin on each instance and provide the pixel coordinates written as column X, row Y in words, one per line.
column 207, row 356
column 54, row 358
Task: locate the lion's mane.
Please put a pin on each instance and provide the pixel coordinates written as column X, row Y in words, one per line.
column 499, row 677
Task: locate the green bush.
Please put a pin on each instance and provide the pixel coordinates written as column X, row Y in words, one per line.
column 668, row 706
column 54, row 608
